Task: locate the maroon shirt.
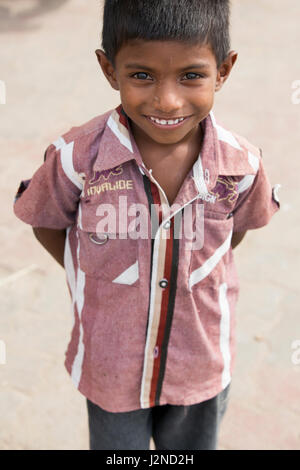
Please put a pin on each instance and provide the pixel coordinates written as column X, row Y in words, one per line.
column 154, row 316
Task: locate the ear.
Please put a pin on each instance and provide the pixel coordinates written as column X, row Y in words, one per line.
column 107, row 69
column 225, row 69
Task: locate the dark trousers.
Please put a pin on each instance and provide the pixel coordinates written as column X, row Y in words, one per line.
column 193, row 427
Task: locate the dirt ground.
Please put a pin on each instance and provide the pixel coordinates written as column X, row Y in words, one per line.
column 53, row 82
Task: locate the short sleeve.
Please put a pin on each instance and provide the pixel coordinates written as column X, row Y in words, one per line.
column 50, row 198
column 257, row 204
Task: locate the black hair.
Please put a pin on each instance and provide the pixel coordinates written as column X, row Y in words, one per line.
column 190, row 21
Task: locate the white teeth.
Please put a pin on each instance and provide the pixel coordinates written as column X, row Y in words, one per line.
column 164, row 122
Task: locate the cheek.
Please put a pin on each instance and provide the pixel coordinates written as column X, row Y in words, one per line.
column 204, row 97
column 132, row 97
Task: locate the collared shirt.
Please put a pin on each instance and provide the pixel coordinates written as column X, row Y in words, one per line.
column 153, row 286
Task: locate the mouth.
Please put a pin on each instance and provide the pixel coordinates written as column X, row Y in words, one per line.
column 167, row 123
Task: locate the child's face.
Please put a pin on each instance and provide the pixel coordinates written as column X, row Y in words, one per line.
column 166, row 80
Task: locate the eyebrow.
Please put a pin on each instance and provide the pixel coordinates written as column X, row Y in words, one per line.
column 200, row 65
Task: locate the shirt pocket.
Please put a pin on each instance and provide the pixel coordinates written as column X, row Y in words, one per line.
column 208, row 263
column 108, row 255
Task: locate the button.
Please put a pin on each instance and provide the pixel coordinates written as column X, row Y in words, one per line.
column 167, row 225
column 101, row 239
column 156, row 352
column 163, row 283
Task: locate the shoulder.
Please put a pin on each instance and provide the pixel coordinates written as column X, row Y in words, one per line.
column 80, row 143
column 236, row 154
column 84, row 131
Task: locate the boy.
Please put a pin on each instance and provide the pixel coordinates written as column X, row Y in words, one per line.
column 153, row 341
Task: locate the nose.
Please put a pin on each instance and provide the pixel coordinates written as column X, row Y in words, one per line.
column 167, row 99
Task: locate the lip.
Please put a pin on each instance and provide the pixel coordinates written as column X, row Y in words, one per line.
column 166, row 126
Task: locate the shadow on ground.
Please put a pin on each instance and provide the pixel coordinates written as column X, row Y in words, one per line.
column 18, row 16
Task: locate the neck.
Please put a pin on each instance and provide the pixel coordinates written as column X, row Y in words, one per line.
column 154, row 152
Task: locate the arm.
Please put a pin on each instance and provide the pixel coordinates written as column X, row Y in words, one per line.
column 53, row 241
column 237, row 237
column 50, row 199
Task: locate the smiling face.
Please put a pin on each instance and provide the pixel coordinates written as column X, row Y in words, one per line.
column 163, row 81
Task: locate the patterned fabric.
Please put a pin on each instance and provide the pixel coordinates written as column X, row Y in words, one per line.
column 154, row 319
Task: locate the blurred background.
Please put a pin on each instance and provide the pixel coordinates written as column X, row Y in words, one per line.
column 49, row 70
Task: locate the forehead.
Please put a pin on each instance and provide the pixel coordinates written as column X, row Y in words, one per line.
column 156, row 54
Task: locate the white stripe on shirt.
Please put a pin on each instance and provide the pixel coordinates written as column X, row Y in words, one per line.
column 200, row 273
column 66, row 157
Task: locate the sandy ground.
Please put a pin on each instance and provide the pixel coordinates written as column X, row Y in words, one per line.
column 52, row 83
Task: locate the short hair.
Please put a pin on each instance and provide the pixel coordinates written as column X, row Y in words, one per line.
column 189, row 21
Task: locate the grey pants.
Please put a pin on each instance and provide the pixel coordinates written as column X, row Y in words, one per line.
column 172, row 427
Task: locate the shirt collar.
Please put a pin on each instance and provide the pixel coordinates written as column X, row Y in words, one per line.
column 117, row 143
column 220, row 153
